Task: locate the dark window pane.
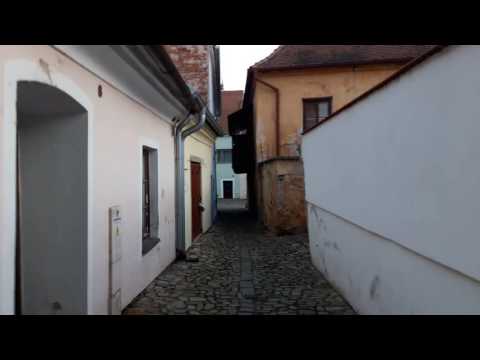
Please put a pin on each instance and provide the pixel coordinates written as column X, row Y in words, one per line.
column 315, row 111
column 146, row 195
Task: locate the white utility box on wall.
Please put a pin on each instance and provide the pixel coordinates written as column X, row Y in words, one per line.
column 115, row 246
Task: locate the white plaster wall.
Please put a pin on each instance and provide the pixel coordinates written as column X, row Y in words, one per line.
column 199, row 147
column 378, row 276
column 402, row 163
column 225, row 172
column 106, row 63
column 118, row 127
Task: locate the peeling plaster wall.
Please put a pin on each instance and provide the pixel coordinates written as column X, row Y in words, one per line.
column 392, row 187
column 118, row 127
column 283, row 195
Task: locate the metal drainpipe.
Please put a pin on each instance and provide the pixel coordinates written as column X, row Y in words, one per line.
column 277, row 115
column 178, row 174
column 180, row 137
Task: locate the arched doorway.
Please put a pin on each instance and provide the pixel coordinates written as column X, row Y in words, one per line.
column 52, row 201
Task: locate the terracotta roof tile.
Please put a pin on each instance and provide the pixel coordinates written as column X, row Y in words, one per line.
column 301, row 56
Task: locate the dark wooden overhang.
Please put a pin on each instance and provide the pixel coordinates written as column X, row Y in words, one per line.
column 240, row 126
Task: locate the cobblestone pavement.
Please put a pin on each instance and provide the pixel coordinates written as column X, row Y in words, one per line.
column 242, row 271
column 227, row 205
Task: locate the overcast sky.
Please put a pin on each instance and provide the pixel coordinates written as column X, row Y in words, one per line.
column 235, row 61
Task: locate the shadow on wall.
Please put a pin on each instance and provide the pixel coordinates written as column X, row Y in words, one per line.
column 52, row 189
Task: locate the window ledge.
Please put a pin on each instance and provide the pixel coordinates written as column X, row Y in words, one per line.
column 148, row 244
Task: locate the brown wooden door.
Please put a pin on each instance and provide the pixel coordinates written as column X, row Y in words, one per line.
column 196, row 184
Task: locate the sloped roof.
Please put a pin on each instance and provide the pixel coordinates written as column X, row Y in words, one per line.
column 231, row 102
column 306, row 56
column 405, row 69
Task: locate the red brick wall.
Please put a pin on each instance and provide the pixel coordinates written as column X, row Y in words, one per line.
column 192, row 63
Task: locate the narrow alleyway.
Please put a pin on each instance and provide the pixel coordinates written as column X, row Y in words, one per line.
column 242, row 271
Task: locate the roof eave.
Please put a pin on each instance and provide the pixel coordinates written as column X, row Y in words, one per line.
column 248, row 93
column 213, row 123
column 180, row 87
column 405, row 69
column 336, row 65
column 211, row 119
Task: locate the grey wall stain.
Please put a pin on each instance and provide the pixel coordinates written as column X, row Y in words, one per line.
column 333, row 245
column 323, row 264
column 374, row 287
column 313, row 210
column 350, row 281
column 321, row 223
column 325, row 268
column 45, row 67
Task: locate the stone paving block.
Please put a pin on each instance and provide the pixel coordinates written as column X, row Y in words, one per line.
column 245, row 284
column 248, row 292
column 242, row 271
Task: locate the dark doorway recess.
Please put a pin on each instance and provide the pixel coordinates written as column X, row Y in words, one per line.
column 197, row 207
column 52, row 202
column 228, row 189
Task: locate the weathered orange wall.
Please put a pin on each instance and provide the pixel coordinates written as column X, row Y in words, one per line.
column 283, row 190
column 279, row 183
column 265, row 113
column 343, row 84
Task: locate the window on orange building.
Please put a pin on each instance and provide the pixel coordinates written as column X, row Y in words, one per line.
column 316, row 110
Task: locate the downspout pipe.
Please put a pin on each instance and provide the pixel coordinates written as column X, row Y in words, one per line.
column 180, row 136
column 179, row 173
column 277, row 113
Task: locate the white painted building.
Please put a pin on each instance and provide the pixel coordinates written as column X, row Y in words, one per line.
column 199, row 66
column 91, row 127
column 392, row 186
column 229, row 184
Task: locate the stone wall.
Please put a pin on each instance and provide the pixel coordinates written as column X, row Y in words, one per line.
column 281, row 183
